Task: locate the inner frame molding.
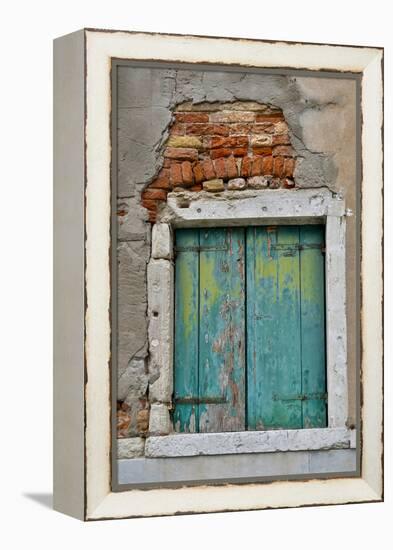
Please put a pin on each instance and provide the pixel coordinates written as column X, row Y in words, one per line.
column 302, row 206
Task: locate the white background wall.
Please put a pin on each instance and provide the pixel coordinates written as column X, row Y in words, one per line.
column 25, row 301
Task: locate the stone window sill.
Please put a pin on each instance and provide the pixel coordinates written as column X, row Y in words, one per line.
column 177, row 445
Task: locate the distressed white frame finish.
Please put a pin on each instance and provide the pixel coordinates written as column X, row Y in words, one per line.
column 99, row 501
column 244, row 208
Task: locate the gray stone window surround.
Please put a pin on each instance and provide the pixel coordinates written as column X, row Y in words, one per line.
column 250, row 207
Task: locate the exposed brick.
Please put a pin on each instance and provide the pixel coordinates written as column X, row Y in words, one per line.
column 283, row 151
column 151, row 207
column 267, row 165
column 178, row 129
column 231, row 167
column 281, row 127
column 186, row 170
column 208, row 169
column 192, row 117
column 162, row 180
column 197, row 187
column 273, row 117
column 237, row 152
column 142, row 420
column 198, row 173
column 154, row 194
column 264, row 128
column 265, row 151
column 176, row 174
column 180, row 153
column 275, row 183
column 240, row 128
column 281, row 139
column 207, row 130
column 288, row 183
column 256, row 169
column 289, row 167
column 232, row 116
column 167, row 163
column 261, row 140
column 238, row 141
column 245, row 170
column 221, row 168
column 278, row 166
column 190, row 142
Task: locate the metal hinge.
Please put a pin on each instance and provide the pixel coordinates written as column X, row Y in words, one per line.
column 200, row 248
column 200, row 400
column 301, row 397
column 292, row 248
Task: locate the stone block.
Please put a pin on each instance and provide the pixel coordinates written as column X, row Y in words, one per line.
column 213, row 185
column 161, row 242
column 160, row 305
column 130, row 447
column 258, row 182
column 160, row 423
column 237, row 184
column 192, row 142
column 133, row 381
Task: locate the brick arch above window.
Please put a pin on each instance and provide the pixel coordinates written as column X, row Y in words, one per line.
column 223, row 146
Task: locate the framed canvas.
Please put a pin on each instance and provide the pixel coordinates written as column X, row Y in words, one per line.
column 218, row 274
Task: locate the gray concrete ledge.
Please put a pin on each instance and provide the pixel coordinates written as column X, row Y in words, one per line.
column 235, row 468
column 247, row 442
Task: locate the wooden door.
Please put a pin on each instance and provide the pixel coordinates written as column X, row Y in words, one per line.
column 249, row 329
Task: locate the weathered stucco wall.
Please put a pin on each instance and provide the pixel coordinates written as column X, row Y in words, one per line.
column 321, row 116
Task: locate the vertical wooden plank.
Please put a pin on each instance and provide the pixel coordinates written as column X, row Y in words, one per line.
column 222, row 330
column 312, row 281
column 185, row 417
column 273, row 330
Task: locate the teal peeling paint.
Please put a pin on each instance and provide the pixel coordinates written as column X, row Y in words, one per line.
column 256, row 351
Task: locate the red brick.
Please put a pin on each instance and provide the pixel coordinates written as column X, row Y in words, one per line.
column 186, row 170
column 176, row 174
column 154, row 194
column 198, row 173
column 178, row 129
column 270, row 117
column 283, row 151
column 181, row 153
column 162, row 180
column 245, row 170
column 207, row 130
column 264, row 128
column 220, row 166
column 278, row 166
column 231, row 167
column 263, row 151
column 208, row 169
column 192, row 117
column 236, row 151
column 240, row 128
column 196, row 188
column 289, row 167
column 256, row 169
column 267, row 166
column 288, row 183
column 238, row 141
column 149, row 204
column 282, row 139
column 167, row 163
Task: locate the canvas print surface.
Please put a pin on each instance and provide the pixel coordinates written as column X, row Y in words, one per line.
column 235, row 274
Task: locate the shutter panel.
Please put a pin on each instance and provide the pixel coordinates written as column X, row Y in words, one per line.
column 273, row 328
column 222, row 330
column 209, row 330
column 185, row 418
column 312, row 284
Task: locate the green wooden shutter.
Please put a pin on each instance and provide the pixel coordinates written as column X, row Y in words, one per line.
column 249, row 329
column 285, row 328
column 210, row 330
